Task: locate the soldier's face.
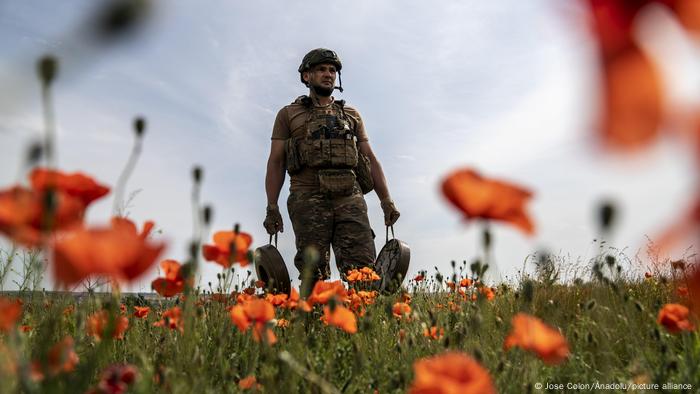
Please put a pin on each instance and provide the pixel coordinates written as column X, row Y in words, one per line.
column 321, row 79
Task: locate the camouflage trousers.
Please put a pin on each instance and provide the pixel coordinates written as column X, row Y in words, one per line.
column 320, row 221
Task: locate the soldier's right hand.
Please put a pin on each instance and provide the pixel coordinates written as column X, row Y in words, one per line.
column 273, row 220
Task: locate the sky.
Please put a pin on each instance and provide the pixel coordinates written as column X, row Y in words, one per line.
column 508, row 88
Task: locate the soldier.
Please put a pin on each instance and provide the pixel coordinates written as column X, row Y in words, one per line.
column 323, row 145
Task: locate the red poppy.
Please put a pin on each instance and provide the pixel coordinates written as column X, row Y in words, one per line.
column 295, row 302
column 675, row 318
column 76, row 184
column 277, row 299
column 171, row 318
column 364, row 274
column 10, row 313
column 419, row 278
column 434, row 332
column 62, row 357
column 632, row 99
column 530, row 333
column 324, row 291
column 99, row 323
column 116, row 379
column 256, row 312
column 401, row 310
column 482, row 198
column 220, row 251
column 451, row 372
column 23, row 214
column 249, row 382
column 358, row 300
column 340, row 317
column 118, row 251
column 173, row 283
column 141, row 311
column 465, row 282
column 487, row 292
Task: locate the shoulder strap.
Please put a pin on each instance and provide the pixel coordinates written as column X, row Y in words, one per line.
column 303, row 100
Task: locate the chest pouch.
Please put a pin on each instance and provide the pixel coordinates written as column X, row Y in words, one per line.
column 292, row 157
column 335, row 182
column 330, row 143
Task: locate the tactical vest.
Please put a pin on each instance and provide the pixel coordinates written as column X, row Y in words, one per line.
column 329, row 146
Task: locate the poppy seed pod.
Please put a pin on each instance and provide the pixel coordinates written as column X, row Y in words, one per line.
column 197, row 174
column 34, row 153
column 606, row 216
column 47, row 67
column 139, row 126
column 207, row 214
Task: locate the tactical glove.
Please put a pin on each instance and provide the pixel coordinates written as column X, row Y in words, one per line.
column 391, row 214
column 273, row 220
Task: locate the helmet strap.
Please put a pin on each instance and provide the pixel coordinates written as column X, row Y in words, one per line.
column 340, row 82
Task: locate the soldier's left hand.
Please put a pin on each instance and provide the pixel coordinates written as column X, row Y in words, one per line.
column 391, row 214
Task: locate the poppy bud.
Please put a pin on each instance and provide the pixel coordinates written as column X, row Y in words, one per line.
column 197, row 174
column 439, row 277
column 453, row 263
column 47, row 67
column 486, row 238
column 610, row 260
column 206, row 214
column 236, row 228
column 606, row 216
column 118, row 17
column 194, row 249
column 34, row 153
column 139, row 126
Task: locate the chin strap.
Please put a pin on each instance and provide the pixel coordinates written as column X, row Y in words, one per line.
column 340, row 82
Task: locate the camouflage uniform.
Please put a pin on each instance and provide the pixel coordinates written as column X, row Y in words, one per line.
column 320, row 221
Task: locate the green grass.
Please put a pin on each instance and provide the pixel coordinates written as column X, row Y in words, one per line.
column 610, row 326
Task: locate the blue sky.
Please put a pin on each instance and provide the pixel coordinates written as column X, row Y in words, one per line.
column 505, row 87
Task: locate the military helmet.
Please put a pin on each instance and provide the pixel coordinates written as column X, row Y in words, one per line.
column 319, row 56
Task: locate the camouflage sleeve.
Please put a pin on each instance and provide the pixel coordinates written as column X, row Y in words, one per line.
column 356, row 119
column 280, row 130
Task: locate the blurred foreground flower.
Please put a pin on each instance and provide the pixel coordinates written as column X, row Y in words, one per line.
column 451, row 372
column 256, row 312
column 481, row 198
column 675, row 318
column 76, row 185
column 10, row 313
column 229, row 247
column 118, row 251
column 62, row 357
column 25, row 214
column 531, row 334
column 116, row 379
column 632, row 92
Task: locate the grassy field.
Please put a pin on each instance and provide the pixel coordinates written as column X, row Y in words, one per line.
column 609, row 324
